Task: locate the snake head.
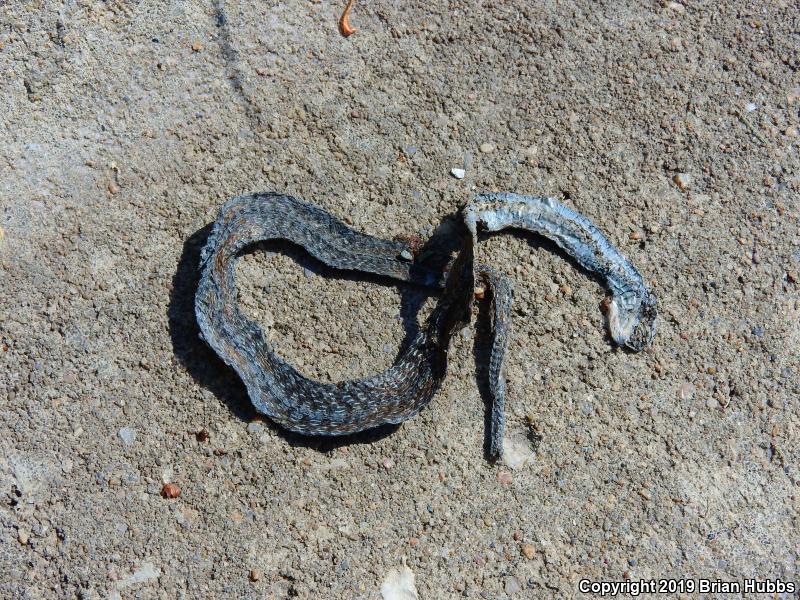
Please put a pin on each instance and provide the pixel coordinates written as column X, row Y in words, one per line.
column 633, row 328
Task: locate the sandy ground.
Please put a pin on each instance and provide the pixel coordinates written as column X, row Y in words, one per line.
column 125, row 125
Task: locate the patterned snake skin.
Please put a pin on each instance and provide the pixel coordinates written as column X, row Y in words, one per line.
column 315, row 408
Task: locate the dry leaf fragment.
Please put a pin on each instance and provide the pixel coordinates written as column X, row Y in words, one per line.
column 344, row 21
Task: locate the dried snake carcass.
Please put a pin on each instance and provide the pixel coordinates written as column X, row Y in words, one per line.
column 302, row 405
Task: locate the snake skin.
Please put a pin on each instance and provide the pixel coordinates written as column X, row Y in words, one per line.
column 305, row 406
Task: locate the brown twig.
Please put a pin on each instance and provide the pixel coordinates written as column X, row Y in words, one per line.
column 344, row 21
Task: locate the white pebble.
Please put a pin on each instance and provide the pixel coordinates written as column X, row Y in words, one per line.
column 399, row 585
column 686, row 391
column 682, row 180
column 406, row 255
column 128, row 435
column 486, row 148
column 750, row 107
column 512, row 585
column 517, row 451
column 458, row 173
column 146, row 572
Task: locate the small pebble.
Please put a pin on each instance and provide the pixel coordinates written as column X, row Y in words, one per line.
column 387, row 463
column 517, row 536
column 686, row 391
column 202, row 435
column 406, row 255
column 486, row 147
column 22, row 538
column 512, row 585
column 712, row 404
column 128, row 435
column 517, row 451
column 113, row 188
column 479, row 293
column 255, row 574
column 790, row 132
column 750, row 107
column 255, row 427
column 197, row 46
column 682, row 180
column 458, row 173
column 504, row 478
column 397, row 585
column 170, row 490
column 529, row 551
column 635, row 235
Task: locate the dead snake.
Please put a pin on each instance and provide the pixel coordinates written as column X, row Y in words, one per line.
column 310, row 407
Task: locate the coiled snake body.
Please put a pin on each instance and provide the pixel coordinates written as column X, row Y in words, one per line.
column 302, row 405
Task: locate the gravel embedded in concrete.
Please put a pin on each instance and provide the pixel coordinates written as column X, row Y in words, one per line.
column 120, row 142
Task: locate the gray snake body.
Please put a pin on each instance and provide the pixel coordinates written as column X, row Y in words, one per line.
column 302, row 405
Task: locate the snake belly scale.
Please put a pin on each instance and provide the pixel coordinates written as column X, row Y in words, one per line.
column 310, row 407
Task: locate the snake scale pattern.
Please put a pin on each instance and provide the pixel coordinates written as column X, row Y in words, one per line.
column 310, row 407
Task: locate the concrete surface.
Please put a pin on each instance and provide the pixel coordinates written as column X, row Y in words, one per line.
column 125, row 125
